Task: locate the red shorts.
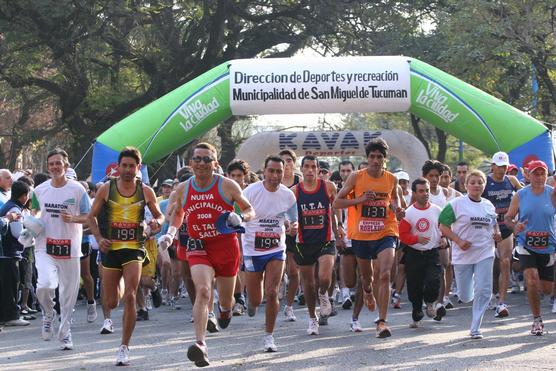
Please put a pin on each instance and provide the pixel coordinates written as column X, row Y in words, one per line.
column 221, row 254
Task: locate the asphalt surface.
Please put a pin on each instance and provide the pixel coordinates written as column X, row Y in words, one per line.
column 161, row 343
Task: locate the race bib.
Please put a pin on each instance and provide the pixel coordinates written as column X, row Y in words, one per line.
column 375, row 210
column 194, row 245
column 369, row 226
column 537, row 240
column 124, row 232
column 266, row 241
column 313, row 221
column 183, row 237
column 58, row 248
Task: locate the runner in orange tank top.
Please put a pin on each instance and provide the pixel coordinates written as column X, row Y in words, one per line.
column 373, row 228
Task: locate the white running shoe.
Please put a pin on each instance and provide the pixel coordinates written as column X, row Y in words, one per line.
column 501, row 311
column 123, row 356
column 149, row 302
column 325, row 306
column 355, row 326
column 47, row 323
column 554, row 307
column 415, row 324
column 92, row 312
column 430, row 311
column 313, row 327
column 290, row 315
column 66, row 343
column 107, row 327
column 269, row 345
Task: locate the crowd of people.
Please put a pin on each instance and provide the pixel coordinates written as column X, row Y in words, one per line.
column 326, row 239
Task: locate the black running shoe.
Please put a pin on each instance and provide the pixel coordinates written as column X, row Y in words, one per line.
column 417, row 315
column 198, row 354
column 347, row 304
column 301, row 299
column 212, row 326
column 440, row 312
column 224, row 317
column 157, row 298
column 142, row 315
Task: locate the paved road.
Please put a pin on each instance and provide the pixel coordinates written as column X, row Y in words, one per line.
column 161, row 343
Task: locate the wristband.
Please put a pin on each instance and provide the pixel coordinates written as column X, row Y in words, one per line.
column 172, row 231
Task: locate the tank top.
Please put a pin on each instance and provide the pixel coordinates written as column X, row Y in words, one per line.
column 438, row 199
column 539, row 211
column 373, row 220
column 314, row 211
column 203, row 206
column 500, row 194
column 121, row 218
column 451, row 194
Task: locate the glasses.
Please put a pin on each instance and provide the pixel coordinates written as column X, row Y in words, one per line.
column 205, row 159
column 323, row 171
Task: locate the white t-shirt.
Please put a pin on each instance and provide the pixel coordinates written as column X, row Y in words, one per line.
column 61, row 237
column 474, row 222
column 424, row 222
column 266, row 233
column 438, row 199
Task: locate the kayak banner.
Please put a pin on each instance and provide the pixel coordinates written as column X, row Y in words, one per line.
column 319, row 85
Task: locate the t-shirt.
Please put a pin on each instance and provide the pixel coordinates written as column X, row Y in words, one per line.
column 266, row 233
column 4, row 196
column 421, row 222
column 471, row 221
column 60, row 239
column 539, row 234
column 438, row 199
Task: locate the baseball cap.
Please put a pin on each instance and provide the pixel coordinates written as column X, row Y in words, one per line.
column 533, row 165
column 324, row 165
column 168, row 182
column 511, row 167
column 71, row 174
column 402, row 175
column 501, row 159
column 223, row 227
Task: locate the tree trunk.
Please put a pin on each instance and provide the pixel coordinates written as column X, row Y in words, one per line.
column 419, row 134
column 228, row 147
column 442, row 144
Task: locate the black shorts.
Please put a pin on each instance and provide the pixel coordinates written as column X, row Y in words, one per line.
column 290, row 244
column 309, row 253
column 403, row 249
column 505, row 232
column 543, row 263
column 85, row 249
column 116, row 259
column 346, row 251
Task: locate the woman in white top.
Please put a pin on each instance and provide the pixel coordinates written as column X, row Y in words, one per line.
column 470, row 222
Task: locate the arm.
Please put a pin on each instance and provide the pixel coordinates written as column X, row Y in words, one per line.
column 84, row 208
column 405, row 233
column 401, row 198
column 150, row 200
column 336, row 216
column 232, row 189
column 515, row 182
column 509, row 218
column 98, row 204
column 446, row 218
column 341, row 201
column 395, row 203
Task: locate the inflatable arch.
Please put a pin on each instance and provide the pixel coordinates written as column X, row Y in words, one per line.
column 322, row 85
column 404, row 146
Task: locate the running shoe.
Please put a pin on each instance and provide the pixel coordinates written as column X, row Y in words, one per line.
column 18, row 322
column 290, row 315
column 369, row 300
column 107, row 327
column 355, row 326
column 174, row 303
column 554, row 307
column 493, row 303
column 149, row 302
column 142, row 315
column 269, row 345
column 396, row 300
column 447, row 303
column 440, row 312
column 66, row 343
column 198, row 354
column 347, row 303
column 323, row 320
column 238, row 309
column 501, row 311
column 212, row 325
column 334, row 312
column 301, row 299
column 123, row 356
column 382, row 331
column 431, row 312
column 92, row 312
column 415, row 324
column 476, row 335
column 47, row 323
column 537, row 329
column 313, row 327
column 224, row 317
column 164, row 296
column 26, row 311
column 156, row 297
column 325, row 306
column 417, row 316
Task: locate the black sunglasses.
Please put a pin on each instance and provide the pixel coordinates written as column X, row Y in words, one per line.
column 323, row 171
column 205, row 159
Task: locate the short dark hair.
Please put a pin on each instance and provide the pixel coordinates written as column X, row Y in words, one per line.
column 418, row 181
column 363, row 163
column 346, row 162
column 377, row 144
column 184, row 170
column 310, row 158
column 288, row 152
column 19, row 189
column 238, row 164
column 446, row 168
column 430, row 165
column 272, row 158
column 335, row 176
column 130, row 152
column 40, row 178
column 27, row 180
column 58, row 151
column 91, row 185
column 204, row 145
column 462, row 163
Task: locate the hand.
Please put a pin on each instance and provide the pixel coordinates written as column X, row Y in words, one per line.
column 234, row 219
column 165, row 241
column 340, row 244
column 463, row 244
column 368, row 196
column 26, row 238
column 497, row 236
column 520, row 226
column 341, row 233
column 423, row 240
column 154, row 227
column 104, row 244
column 13, row 217
column 67, row 217
column 400, row 213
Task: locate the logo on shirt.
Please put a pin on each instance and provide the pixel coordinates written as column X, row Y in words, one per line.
column 422, row 225
column 69, row 201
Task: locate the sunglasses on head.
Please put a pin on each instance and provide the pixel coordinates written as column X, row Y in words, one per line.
column 205, row 159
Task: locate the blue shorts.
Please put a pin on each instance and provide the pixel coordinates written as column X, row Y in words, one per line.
column 258, row 263
column 370, row 249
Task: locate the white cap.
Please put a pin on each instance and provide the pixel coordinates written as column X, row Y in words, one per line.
column 501, row 159
column 71, row 174
column 402, row 175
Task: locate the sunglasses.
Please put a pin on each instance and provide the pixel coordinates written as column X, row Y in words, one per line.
column 323, row 171
column 205, row 159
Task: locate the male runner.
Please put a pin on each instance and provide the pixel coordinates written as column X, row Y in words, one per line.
column 202, row 200
column 373, row 228
column 499, row 190
column 59, row 202
column 315, row 243
column 264, row 242
column 6, row 181
column 536, row 239
column 461, row 173
column 120, row 231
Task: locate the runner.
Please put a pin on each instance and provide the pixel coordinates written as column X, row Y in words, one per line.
column 461, row 172
column 59, row 202
column 419, row 231
column 373, row 228
column 315, row 244
column 119, row 207
column 6, row 181
column 499, row 190
column 536, row 206
column 202, row 200
column 264, row 242
column 470, row 222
